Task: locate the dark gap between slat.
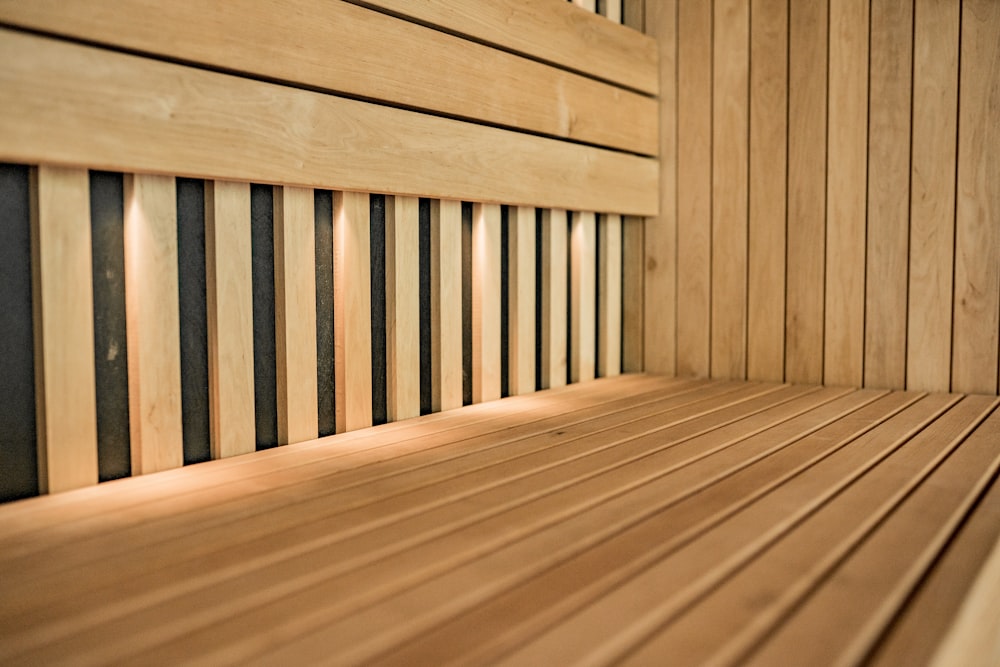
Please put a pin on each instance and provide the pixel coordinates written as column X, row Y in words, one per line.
column 569, row 297
column 325, row 382
column 538, row 299
column 264, row 356
column 599, row 250
column 466, row 303
column 424, row 248
column 504, row 302
column 379, row 398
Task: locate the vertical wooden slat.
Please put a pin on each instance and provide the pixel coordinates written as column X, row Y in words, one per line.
column 590, row 5
column 977, row 223
column 352, row 310
column 63, row 329
column 609, row 296
column 767, row 192
column 613, row 10
column 847, row 139
column 485, row 302
column 229, row 284
column 633, row 270
column 634, row 14
column 583, row 296
column 932, row 197
column 553, row 287
column 153, row 321
column 730, row 147
column 694, row 191
column 402, row 307
column 891, row 65
column 521, row 299
column 807, row 102
column 446, row 296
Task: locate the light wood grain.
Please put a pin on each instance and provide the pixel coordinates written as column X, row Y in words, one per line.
column 589, row 5
column 352, row 310
column 554, row 298
column 609, row 296
column 153, row 323
column 229, row 309
column 583, row 296
column 402, row 307
column 633, row 297
column 485, row 302
column 612, row 9
column 65, row 395
column 521, row 299
column 932, row 196
column 295, row 314
column 446, row 291
column 79, row 105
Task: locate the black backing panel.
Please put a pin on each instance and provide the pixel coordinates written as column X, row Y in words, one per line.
column 504, row 302
column 466, row 303
column 264, row 356
column 569, row 298
column 325, row 394
column 424, row 248
column 377, row 208
column 538, row 299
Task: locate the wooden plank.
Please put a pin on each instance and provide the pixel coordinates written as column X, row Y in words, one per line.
column 66, row 405
column 352, row 310
column 807, row 108
column 976, row 341
column 589, row 5
column 694, row 190
column 402, row 311
column 633, row 14
column 633, row 298
column 612, row 9
column 426, row 68
column 521, row 299
column 932, row 196
column 891, row 69
column 153, row 323
column 553, row 32
column 295, row 314
column 583, row 296
column 346, row 144
column 730, row 155
column 767, row 190
column 485, row 302
column 229, row 306
column 446, row 291
column 846, row 178
column 554, row 294
column 609, row 296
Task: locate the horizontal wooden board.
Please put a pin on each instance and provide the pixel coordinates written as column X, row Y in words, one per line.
column 79, row 105
column 425, row 68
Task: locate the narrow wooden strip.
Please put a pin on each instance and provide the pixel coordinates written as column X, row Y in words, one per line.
column 154, row 367
column 446, row 292
column 521, row 299
column 976, row 342
column 346, row 144
column 352, row 310
column 230, row 317
column 485, row 302
column 583, row 296
column 633, row 294
column 402, row 313
column 63, row 329
column 633, row 14
column 612, row 9
column 609, row 296
column 589, row 5
column 553, row 288
column 932, row 196
column 767, row 190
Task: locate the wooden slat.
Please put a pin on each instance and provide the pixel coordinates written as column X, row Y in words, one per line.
column 583, row 297
column 485, row 302
column 425, row 69
column 973, row 639
column 730, row 149
column 694, row 190
column 807, row 109
column 229, row 307
column 633, row 297
column 402, row 307
column 609, row 296
column 446, row 291
column 521, row 299
column 352, row 310
column 767, row 190
column 589, row 5
column 554, row 294
column 890, row 76
column 66, row 405
column 976, row 343
column 847, row 140
column 153, row 323
column 932, row 197
column 295, row 314
column 554, row 31
column 612, row 9
column 183, row 124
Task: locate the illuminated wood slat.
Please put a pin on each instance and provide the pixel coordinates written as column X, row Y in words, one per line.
column 446, row 291
column 583, row 297
column 63, row 329
column 589, row 5
column 521, row 299
column 609, row 296
column 352, row 310
column 402, row 307
column 295, row 314
column 554, row 294
column 229, row 307
column 612, row 9
column 485, row 302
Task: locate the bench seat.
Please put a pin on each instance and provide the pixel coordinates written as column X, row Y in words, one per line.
column 637, row 519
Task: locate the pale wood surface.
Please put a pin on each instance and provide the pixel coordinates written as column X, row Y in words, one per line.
column 485, row 302
column 425, row 69
column 583, row 296
column 633, row 301
column 73, row 104
column 612, row 9
column 521, row 299
column 66, row 402
column 446, row 291
column 402, row 307
column 609, row 296
column 554, row 288
column 153, row 323
column 229, row 309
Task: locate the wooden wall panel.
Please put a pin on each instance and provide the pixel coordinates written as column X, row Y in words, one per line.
column 609, row 296
column 485, row 302
column 553, row 296
column 446, row 316
column 583, row 297
column 521, row 299
column 633, row 297
column 402, row 307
